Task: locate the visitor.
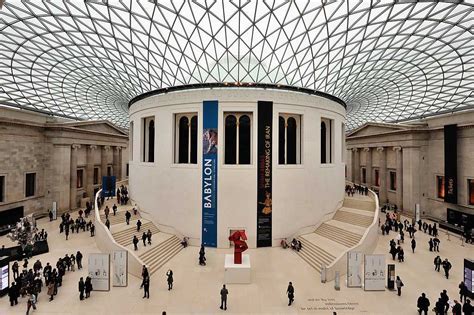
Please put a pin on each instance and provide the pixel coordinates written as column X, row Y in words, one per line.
column 139, row 224
column 79, row 260
column 437, row 262
column 401, row 254
column 444, row 299
column 463, row 292
column 107, row 224
column 184, row 242
column 299, row 246
column 114, row 208
column 446, row 266
column 144, row 238
column 202, row 257
column 467, row 307
column 146, row 287
column 135, row 210
column 457, row 308
column 106, row 211
column 50, row 215
column 92, row 229
column 127, row 217
column 13, row 294
column 423, row 304
column 430, row 242
column 169, row 279
column 82, row 287
column 31, row 303
column 51, row 287
column 144, row 274
column 224, row 293
column 135, row 242
column 413, row 245
column 436, row 242
column 15, row 269
column 88, row 286
column 284, row 244
column 291, row 293
column 148, row 236
column 294, row 244
column 399, row 285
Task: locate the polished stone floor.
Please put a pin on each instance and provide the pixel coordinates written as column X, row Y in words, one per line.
column 196, row 289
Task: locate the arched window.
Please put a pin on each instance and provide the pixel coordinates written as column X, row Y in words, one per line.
column 289, row 139
column 327, row 140
column 323, row 142
column 238, row 138
column 186, row 138
column 151, row 141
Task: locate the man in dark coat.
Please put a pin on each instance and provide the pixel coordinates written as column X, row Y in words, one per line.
column 128, row 215
column 413, row 245
column 79, row 260
column 13, row 294
column 81, row 289
column 146, row 287
column 437, row 262
column 423, row 304
column 224, row 293
column 467, row 307
column 135, row 242
column 144, row 238
column 446, row 266
column 291, row 293
column 430, row 242
column 88, row 286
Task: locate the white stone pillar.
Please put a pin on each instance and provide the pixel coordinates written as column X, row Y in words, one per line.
column 90, row 171
column 383, row 175
column 103, row 161
column 356, row 165
column 73, row 177
column 117, row 169
column 399, row 161
column 368, row 167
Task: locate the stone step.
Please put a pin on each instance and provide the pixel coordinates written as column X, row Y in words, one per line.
column 125, row 237
column 353, row 218
column 314, row 255
column 366, row 204
column 159, row 255
column 338, row 235
column 119, row 218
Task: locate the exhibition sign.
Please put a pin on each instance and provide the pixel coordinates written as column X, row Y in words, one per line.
column 374, row 273
column 4, row 274
column 264, row 174
column 469, row 276
column 450, row 164
column 120, row 277
column 108, row 186
column 99, row 271
column 209, row 173
column 354, row 269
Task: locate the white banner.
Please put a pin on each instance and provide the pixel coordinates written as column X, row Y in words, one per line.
column 99, row 271
column 354, row 269
column 120, row 278
column 374, row 273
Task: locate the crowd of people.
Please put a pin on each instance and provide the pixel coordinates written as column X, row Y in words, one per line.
column 146, row 236
column 352, row 189
column 69, row 225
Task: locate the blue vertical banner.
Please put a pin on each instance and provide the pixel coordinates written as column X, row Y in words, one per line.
column 108, row 186
column 209, row 173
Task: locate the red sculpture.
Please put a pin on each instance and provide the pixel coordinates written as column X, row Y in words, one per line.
column 239, row 238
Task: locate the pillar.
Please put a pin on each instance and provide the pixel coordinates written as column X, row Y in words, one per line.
column 103, row 161
column 383, row 175
column 73, row 177
column 399, row 161
column 117, row 169
column 90, row 171
column 368, row 167
column 356, row 165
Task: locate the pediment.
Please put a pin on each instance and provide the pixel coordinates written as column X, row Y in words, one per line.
column 99, row 126
column 376, row 129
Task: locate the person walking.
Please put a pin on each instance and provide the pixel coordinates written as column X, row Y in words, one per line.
column 148, row 236
column 169, row 279
column 79, row 260
column 446, row 266
column 51, row 286
column 436, row 242
column 66, row 231
column 457, row 308
column 467, row 307
column 144, row 238
column 92, row 229
column 114, row 208
column 290, row 291
column 437, row 262
column 224, row 293
column 463, row 291
column 146, row 287
column 127, row 217
column 139, row 224
column 202, row 257
column 430, row 242
column 413, row 245
column 107, row 224
column 106, row 211
column 399, row 284
column 31, row 303
column 135, row 242
column 88, row 286
column 82, row 287
column 423, row 304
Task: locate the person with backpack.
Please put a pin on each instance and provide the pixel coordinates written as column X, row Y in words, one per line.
column 399, row 284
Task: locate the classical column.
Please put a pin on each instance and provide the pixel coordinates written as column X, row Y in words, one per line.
column 383, row 175
column 356, row 165
column 103, row 161
column 399, row 161
column 368, row 167
column 116, row 163
column 73, row 177
column 90, row 171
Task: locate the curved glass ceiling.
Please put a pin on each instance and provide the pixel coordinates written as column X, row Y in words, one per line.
column 388, row 60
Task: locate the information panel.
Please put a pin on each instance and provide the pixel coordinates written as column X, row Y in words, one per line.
column 264, row 174
column 374, row 273
column 209, row 173
column 355, row 262
column 99, row 271
column 120, row 277
column 4, row 275
column 469, row 276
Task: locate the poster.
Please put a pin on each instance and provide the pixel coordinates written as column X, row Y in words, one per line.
column 99, row 271
column 120, row 277
column 374, row 273
column 264, row 174
column 209, row 173
column 55, row 211
column 450, row 164
column 354, row 269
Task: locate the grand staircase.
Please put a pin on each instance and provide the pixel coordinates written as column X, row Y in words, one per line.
column 335, row 236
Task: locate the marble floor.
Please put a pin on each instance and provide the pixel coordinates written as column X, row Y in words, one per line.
column 196, row 289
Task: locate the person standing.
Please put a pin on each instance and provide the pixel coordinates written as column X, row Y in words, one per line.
column 146, row 287
column 467, row 307
column 423, row 304
column 457, row 308
column 127, row 217
column 224, row 293
column 446, row 266
column 31, row 303
column 202, row 257
column 437, row 263
column 13, row 294
column 463, row 291
column 106, row 211
column 107, row 224
column 15, row 269
column 79, row 260
column 291, row 293
column 92, row 229
column 51, row 287
column 114, row 208
column 413, row 245
column 135, row 242
column 139, row 224
column 169, row 276
column 148, row 236
column 82, row 287
column 430, row 242
column 66, row 231
column 88, row 286
column 436, row 242
column 399, row 284
column 144, row 238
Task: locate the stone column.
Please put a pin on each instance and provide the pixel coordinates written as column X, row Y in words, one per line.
column 90, row 171
column 368, row 168
column 399, row 161
column 103, row 161
column 73, row 177
column 117, row 169
column 383, row 175
column 356, row 165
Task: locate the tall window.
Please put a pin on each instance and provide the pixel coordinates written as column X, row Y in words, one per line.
column 393, row 180
column 470, row 187
column 148, row 139
column 109, row 170
column 80, row 178
column 343, row 142
column 289, row 139
column 440, row 187
column 127, row 169
column 327, row 140
column 186, row 138
column 237, row 138
column 30, row 184
column 377, row 178
column 364, row 175
column 96, row 176
column 131, row 140
column 2, row 188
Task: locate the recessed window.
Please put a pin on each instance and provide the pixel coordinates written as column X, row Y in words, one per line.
column 127, row 169
column 377, row 178
column 30, row 184
column 96, row 176
column 109, row 170
column 326, row 143
column 440, row 187
column 237, row 138
column 186, row 138
column 289, row 139
column 2, row 188
column 470, row 187
column 80, row 178
column 343, row 142
column 364, row 175
column 393, row 180
column 148, row 133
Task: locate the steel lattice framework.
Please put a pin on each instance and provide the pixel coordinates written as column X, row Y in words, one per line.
column 388, row 60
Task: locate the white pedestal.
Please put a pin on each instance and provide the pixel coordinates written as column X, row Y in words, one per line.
column 237, row 273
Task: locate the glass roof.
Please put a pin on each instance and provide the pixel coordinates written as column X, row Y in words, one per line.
column 388, row 60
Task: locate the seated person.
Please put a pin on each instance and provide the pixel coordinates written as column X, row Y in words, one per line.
column 184, row 242
column 284, row 244
column 294, row 244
